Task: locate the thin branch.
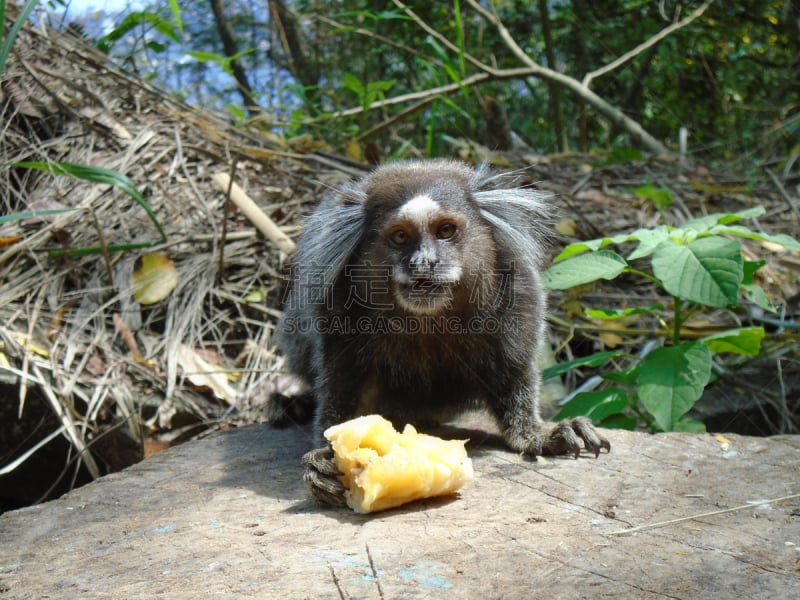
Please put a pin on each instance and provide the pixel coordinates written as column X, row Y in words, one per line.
column 410, row 110
column 611, row 112
column 645, row 45
column 531, row 69
column 367, row 33
column 441, row 38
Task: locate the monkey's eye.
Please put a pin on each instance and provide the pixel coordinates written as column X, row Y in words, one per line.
column 446, row 231
column 399, row 237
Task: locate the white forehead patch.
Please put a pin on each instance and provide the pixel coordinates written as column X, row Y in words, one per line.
column 419, row 209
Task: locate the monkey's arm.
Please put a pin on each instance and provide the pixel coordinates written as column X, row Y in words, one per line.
column 516, row 410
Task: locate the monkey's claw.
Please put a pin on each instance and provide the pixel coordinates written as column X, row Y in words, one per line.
column 321, row 475
column 566, row 437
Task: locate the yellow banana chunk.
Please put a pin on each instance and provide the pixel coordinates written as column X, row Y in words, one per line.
column 383, row 468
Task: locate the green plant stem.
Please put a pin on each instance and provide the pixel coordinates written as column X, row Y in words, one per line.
column 676, row 327
column 646, row 275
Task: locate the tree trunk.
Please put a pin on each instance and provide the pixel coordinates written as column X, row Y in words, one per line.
column 296, row 57
column 555, row 108
column 231, row 50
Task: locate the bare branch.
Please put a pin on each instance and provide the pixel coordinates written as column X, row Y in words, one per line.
column 367, row 33
column 645, row 45
column 611, row 112
column 442, row 90
column 442, row 39
column 531, row 69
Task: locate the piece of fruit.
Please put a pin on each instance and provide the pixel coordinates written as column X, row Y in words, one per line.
column 383, row 468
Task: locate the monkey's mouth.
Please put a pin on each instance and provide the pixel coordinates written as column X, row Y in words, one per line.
column 424, row 295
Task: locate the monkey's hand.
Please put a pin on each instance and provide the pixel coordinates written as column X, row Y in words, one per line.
column 321, row 475
column 565, row 437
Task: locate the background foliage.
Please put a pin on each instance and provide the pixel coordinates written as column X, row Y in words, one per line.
column 731, row 77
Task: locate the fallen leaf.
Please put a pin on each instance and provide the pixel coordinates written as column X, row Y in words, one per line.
column 155, row 280
column 566, row 227
column 203, row 374
column 8, row 241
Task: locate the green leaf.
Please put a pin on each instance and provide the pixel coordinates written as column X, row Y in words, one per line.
column 224, row 62
column 746, row 340
column 603, row 264
column 706, row 223
column 672, row 379
column 747, row 213
column 624, row 376
column 591, row 245
column 176, row 14
column 619, row 313
column 20, row 21
column 738, row 230
column 353, row 83
column 103, row 176
column 593, row 360
column 688, row 425
column 707, row 271
column 749, row 269
column 619, row 421
column 755, row 294
column 622, row 155
column 648, row 239
column 596, row 405
column 32, row 214
column 661, row 197
column 752, row 291
column 131, row 22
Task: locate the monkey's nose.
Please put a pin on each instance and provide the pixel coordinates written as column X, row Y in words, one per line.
column 423, row 263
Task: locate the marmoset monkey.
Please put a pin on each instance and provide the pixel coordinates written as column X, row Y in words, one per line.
column 417, row 296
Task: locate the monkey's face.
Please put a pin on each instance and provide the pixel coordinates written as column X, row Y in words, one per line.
column 434, row 242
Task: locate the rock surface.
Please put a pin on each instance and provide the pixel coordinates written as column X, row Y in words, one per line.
column 229, row 516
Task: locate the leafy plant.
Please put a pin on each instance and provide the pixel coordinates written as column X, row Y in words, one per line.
column 699, row 264
column 367, row 92
column 137, row 19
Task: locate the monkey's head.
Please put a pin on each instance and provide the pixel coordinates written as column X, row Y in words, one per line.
column 422, row 223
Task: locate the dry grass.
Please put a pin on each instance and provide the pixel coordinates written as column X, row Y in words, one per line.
column 64, row 320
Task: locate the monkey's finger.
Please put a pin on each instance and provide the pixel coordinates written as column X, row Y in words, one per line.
column 562, row 440
column 321, row 460
column 326, row 496
column 592, row 439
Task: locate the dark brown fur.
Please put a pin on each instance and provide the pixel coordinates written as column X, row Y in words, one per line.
column 420, row 311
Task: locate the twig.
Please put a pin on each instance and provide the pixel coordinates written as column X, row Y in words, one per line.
column 69, row 428
column 370, row 34
column 395, row 118
column 8, row 468
column 701, row 515
column 264, row 224
column 224, row 233
column 103, row 247
column 789, row 200
column 126, row 334
column 441, row 38
column 611, row 112
column 645, row 45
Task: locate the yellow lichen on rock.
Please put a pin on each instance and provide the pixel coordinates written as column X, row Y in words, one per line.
column 382, row 468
